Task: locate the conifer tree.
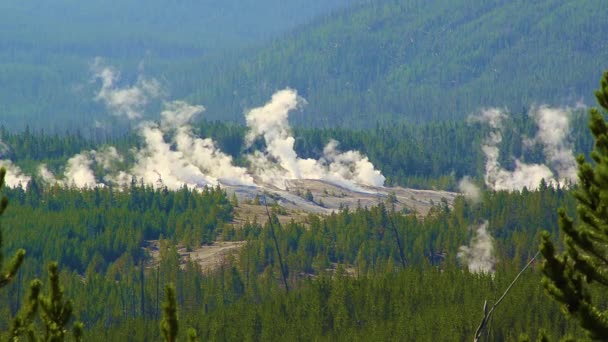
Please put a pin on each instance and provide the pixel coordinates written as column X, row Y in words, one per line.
column 7, row 275
column 56, row 311
column 169, row 324
column 22, row 324
column 570, row 277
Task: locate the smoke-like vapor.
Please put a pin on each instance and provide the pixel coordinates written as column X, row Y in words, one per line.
column 528, row 175
column 270, row 122
column 78, row 172
column 280, row 161
column 159, row 165
column 129, row 101
column 46, row 175
column 479, row 255
column 173, row 156
column 553, row 131
column 4, row 149
column 493, row 117
column 203, row 153
column 351, row 166
column 469, row 189
column 194, row 162
column 14, row 176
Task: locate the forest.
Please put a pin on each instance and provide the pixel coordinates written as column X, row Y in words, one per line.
column 344, row 272
column 369, row 62
column 303, row 170
column 358, row 273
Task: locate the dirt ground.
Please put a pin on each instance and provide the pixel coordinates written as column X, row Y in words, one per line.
column 293, row 203
column 208, row 257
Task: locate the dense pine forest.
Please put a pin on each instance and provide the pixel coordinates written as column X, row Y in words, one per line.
column 344, row 271
column 356, row 62
column 433, row 155
column 338, row 277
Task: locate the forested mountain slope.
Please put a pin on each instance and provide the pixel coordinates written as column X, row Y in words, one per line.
column 46, row 48
column 417, row 60
column 375, row 61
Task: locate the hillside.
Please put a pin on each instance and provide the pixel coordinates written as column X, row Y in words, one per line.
column 45, row 59
column 415, row 60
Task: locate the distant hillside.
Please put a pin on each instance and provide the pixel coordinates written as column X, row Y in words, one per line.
column 414, row 60
column 46, row 46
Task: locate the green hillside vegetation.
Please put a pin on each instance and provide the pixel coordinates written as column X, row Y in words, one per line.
column 407, row 60
column 343, row 270
column 374, row 61
column 429, row 155
column 46, row 48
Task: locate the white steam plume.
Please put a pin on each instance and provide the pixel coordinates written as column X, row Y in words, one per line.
column 14, row 176
column 469, row 189
column 270, row 121
column 498, row 178
column 78, row 172
column 173, row 156
column 479, row 255
column 46, row 175
column 129, row 101
column 194, row 162
column 159, row 165
column 183, row 160
column 553, row 131
column 351, row 166
column 280, row 162
column 203, row 153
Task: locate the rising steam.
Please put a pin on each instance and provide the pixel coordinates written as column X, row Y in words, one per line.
column 129, row 101
column 14, row 177
column 469, row 189
column 280, row 162
column 173, row 156
column 78, row 171
column 553, row 130
column 479, row 255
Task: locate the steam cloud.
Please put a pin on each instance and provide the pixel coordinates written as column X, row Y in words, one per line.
column 469, row 189
column 173, row 156
column 479, row 254
column 129, row 101
column 280, row 162
column 78, row 171
column 14, row 176
column 553, row 130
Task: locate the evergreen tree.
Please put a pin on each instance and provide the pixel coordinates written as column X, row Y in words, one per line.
column 571, row 277
column 17, row 260
column 169, row 324
column 56, row 311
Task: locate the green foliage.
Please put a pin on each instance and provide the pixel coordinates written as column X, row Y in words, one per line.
column 55, row 311
column 343, row 270
column 169, row 325
column 23, row 324
column 308, row 196
column 7, row 275
column 571, row 276
column 414, row 61
column 45, row 67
